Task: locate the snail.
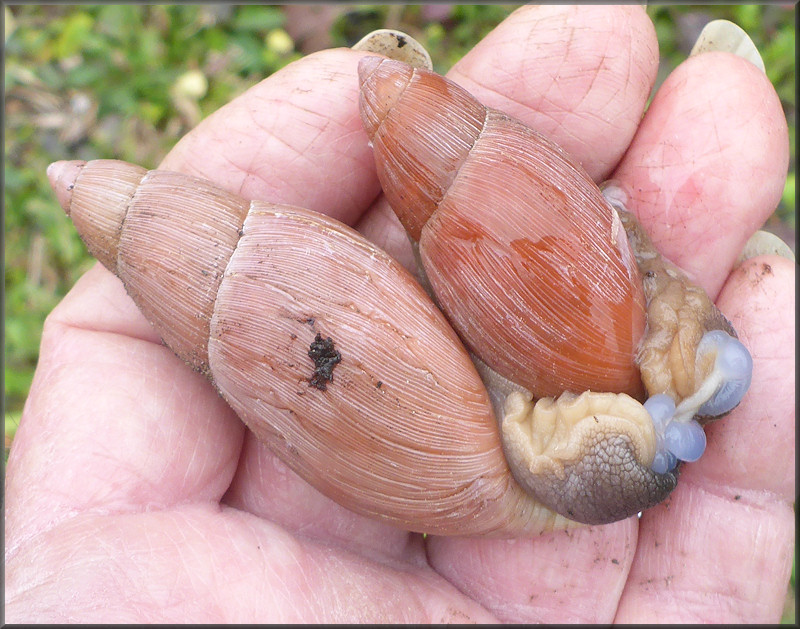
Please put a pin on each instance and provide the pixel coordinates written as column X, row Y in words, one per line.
column 336, row 357
column 579, row 279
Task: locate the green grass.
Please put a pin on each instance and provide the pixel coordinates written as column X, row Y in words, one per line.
column 126, row 81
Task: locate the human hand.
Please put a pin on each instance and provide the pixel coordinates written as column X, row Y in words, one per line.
column 134, row 493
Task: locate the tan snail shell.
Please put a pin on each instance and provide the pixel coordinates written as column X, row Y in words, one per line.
column 240, row 290
column 561, row 304
column 339, row 361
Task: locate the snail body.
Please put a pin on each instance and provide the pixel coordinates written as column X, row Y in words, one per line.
column 337, row 359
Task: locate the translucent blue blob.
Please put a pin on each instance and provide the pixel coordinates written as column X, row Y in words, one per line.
column 659, row 465
column 660, row 441
column 734, row 366
column 672, row 460
column 663, row 462
column 686, row 440
column 661, row 408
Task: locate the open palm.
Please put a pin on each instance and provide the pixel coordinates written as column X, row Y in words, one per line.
column 134, row 494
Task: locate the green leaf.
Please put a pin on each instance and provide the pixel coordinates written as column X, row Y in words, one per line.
column 119, row 21
column 76, row 29
column 258, row 18
column 748, row 16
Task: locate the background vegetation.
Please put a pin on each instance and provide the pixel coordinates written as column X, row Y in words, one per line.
column 126, row 81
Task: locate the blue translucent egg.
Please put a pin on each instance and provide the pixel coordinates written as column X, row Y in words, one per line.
column 663, row 462
column 735, row 366
column 686, row 440
column 661, row 408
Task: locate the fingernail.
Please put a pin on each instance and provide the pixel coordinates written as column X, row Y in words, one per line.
column 396, row 45
column 764, row 243
column 725, row 36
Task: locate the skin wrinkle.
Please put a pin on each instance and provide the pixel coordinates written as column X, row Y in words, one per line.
column 692, row 599
column 278, row 595
column 426, row 577
column 629, row 61
column 313, row 160
column 240, row 173
column 350, row 199
column 592, row 112
column 55, row 328
column 542, row 605
column 711, row 150
column 243, row 174
column 160, row 411
column 759, row 499
column 177, row 536
column 273, row 131
column 335, row 516
column 292, row 552
column 594, row 78
column 694, row 163
column 190, row 468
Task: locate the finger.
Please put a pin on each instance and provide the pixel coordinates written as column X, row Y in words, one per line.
column 534, row 580
column 708, row 163
column 266, row 487
column 114, row 421
column 199, row 564
column 581, row 75
column 720, row 548
column 294, row 138
column 754, row 448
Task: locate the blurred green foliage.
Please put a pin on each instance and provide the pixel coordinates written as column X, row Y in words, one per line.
column 126, row 81
column 116, row 81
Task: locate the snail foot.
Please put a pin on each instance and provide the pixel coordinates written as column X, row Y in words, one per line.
column 588, row 457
